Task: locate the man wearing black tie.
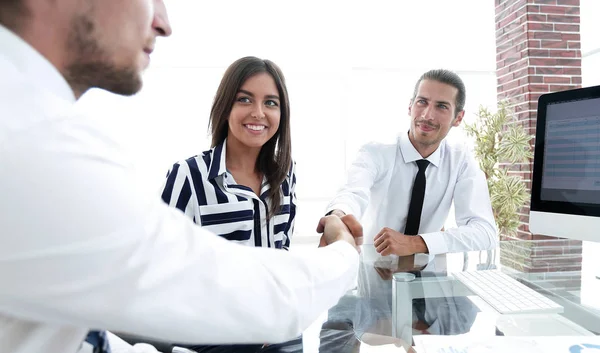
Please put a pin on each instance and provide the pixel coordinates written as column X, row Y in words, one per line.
column 403, row 192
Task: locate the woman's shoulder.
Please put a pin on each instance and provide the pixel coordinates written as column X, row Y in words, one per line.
column 290, row 180
column 195, row 164
column 292, row 167
column 292, row 171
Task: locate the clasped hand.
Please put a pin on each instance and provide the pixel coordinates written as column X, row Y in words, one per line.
column 391, row 242
column 336, row 228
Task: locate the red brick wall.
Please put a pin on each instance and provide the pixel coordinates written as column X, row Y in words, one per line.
column 538, row 50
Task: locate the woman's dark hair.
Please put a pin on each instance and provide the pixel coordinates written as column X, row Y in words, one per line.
column 275, row 157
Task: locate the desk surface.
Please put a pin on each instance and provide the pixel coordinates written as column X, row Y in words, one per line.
column 362, row 320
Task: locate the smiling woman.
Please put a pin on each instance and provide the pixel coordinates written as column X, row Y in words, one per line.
column 243, row 188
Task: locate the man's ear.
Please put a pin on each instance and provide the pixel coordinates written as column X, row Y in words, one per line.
column 409, row 107
column 458, row 119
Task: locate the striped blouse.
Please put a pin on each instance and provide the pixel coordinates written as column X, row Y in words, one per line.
column 204, row 190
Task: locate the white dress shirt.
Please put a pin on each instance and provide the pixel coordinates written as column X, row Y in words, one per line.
column 379, row 186
column 82, row 248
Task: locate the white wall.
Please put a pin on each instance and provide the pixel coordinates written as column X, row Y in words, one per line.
column 590, row 42
column 350, row 67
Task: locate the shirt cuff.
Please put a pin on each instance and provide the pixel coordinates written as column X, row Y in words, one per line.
column 345, row 249
column 436, row 244
column 342, row 207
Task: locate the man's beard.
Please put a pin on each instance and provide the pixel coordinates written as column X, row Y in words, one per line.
column 91, row 67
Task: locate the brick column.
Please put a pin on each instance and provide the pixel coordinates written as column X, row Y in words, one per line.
column 538, row 51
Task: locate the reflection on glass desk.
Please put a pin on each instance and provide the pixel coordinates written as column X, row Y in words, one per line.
column 400, row 298
column 383, row 315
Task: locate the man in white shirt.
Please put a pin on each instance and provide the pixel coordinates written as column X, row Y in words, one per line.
column 81, row 246
column 382, row 186
column 380, row 182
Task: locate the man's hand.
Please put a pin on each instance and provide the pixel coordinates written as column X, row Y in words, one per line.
column 349, row 220
column 389, row 241
column 334, row 229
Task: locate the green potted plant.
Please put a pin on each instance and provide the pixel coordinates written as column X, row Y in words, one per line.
column 499, row 138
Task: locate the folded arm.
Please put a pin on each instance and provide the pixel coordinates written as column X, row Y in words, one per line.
column 476, row 227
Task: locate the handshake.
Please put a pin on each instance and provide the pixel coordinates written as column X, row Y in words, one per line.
column 339, row 226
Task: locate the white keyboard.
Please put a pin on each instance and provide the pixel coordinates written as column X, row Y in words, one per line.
column 506, row 294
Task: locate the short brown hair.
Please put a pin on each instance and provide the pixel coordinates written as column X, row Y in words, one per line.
column 12, row 13
column 450, row 78
column 275, row 157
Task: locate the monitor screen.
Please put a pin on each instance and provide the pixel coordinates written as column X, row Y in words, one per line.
column 571, row 169
column 565, row 185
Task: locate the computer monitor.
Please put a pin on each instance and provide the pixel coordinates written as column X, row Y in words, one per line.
column 565, row 190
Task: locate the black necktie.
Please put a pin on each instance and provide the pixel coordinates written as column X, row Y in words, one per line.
column 416, row 200
column 413, row 222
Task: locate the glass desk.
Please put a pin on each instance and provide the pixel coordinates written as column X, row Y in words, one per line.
column 413, row 300
column 385, row 314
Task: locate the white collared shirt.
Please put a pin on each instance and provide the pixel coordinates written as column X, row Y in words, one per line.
column 81, row 247
column 379, row 186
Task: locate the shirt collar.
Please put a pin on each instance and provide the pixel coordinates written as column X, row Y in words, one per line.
column 217, row 163
column 410, row 153
column 30, row 63
column 218, row 167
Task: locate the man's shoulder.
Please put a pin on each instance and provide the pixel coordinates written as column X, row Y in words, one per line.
column 25, row 106
column 456, row 148
column 377, row 154
column 460, row 156
column 379, row 147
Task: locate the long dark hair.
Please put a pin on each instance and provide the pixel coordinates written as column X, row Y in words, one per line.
column 275, row 156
